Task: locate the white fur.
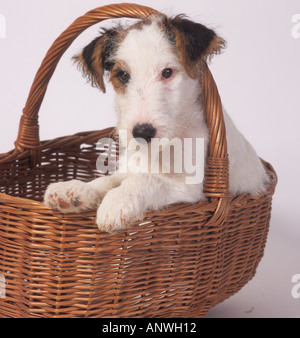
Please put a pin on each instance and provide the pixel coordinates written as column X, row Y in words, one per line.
column 173, row 107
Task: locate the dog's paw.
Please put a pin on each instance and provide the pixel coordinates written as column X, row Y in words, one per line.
column 71, row 196
column 117, row 211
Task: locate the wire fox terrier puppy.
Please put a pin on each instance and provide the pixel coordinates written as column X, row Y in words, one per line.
column 154, row 67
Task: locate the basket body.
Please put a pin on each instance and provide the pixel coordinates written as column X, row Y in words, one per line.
column 172, row 265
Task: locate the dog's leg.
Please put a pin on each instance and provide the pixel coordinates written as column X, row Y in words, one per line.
column 75, row 195
column 139, row 193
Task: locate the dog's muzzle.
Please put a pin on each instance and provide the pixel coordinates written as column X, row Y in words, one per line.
column 144, row 131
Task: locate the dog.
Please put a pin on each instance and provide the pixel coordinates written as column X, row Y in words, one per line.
column 154, row 66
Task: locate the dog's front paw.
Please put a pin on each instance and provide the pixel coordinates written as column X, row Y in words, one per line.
column 71, row 196
column 117, row 211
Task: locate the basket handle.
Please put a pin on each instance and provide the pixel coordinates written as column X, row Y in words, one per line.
column 216, row 174
column 216, row 181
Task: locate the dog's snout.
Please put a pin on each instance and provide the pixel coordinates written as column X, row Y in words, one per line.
column 145, row 131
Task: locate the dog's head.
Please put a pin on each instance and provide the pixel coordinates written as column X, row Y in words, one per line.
column 154, row 67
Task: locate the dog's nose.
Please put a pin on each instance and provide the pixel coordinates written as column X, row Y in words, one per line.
column 145, row 131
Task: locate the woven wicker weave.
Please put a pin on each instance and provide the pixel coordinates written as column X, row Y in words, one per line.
column 179, row 262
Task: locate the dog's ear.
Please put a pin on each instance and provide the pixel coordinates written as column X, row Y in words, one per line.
column 95, row 58
column 195, row 43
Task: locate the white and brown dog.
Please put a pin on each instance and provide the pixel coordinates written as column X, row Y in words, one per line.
column 154, row 66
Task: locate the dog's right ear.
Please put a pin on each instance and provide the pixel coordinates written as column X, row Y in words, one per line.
column 95, row 58
column 195, row 43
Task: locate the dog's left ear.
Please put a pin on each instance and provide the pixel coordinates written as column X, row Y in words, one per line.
column 195, row 43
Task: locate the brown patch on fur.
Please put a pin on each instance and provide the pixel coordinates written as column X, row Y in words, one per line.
column 195, row 43
column 93, row 69
column 97, row 64
column 145, row 21
column 191, row 67
column 117, row 84
column 216, row 46
column 96, row 57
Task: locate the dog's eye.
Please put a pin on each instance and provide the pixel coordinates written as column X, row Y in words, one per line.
column 123, row 76
column 166, row 73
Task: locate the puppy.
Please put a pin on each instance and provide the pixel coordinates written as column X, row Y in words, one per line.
column 154, row 67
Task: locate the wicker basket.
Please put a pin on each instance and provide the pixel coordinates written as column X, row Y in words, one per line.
column 179, row 262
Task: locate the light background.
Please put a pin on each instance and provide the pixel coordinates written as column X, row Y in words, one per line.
column 259, row 81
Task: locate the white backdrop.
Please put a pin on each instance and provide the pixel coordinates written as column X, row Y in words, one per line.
column 259, row 81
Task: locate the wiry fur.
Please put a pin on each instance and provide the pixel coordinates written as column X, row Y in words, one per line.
column 173, row 106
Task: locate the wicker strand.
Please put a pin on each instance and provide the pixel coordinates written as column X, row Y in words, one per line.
column 216, row 183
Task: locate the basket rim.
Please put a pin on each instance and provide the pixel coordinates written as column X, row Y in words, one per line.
column 208, row 205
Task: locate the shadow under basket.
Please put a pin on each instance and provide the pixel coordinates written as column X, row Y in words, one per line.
column 179, row 262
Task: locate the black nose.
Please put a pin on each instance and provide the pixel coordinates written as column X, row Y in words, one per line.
column 145, row 131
